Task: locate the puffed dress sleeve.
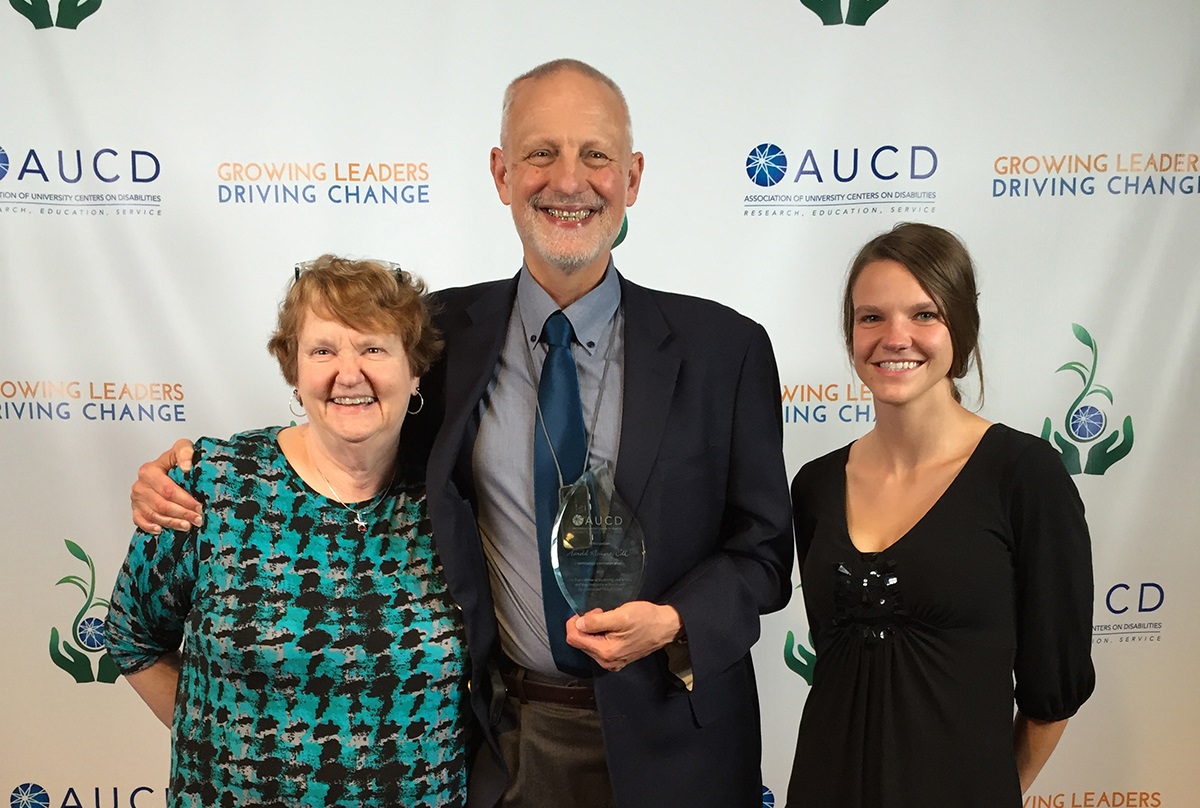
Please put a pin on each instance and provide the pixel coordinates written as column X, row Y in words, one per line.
column 153, row 592
column 1053, row 565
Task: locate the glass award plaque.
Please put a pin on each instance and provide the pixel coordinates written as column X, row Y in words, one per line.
column 597, row 548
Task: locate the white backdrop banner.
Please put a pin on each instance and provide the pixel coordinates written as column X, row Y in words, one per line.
column 163, row 165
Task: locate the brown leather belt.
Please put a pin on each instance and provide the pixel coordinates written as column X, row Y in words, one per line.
column 521, row 686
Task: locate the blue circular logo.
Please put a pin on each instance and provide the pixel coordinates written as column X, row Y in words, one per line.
column 29, row 795
column 1087, row 422
column 768, row 798
column 766, row 164
column 91, row 633
column 3, row 163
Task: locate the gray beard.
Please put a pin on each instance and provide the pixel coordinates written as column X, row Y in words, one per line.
column 571, row 263
column 567, row 264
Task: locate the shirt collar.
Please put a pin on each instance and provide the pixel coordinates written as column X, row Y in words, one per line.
column 589, row 315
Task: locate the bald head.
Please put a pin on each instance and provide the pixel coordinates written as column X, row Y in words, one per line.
column 550, row 69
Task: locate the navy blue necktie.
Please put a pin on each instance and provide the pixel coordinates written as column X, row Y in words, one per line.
column 562, row 418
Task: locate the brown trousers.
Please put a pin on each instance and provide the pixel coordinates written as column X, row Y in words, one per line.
column 555, row 756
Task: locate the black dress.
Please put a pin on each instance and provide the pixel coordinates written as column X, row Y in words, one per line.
column 918, row 645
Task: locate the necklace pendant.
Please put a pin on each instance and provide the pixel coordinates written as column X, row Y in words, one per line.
column 358, row 520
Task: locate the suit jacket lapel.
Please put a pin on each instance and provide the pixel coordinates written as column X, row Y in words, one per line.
column 651, row 369
column 473, row 345
column 474, row 340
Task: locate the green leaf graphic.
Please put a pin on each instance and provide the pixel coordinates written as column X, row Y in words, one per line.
column 77, row 551
column 1078, row 367
column 1107, row 451
column 1082, row 335
column 74, row 580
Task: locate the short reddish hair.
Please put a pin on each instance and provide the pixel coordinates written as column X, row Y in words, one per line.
column 367, row 296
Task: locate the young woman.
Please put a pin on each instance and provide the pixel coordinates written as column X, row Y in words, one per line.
column 943, row 557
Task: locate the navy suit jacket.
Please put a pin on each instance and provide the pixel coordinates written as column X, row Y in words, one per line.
column 701, row 463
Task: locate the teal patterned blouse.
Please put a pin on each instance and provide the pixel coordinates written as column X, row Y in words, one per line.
column 322, row 665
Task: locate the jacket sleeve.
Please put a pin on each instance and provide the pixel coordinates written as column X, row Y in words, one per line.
column 720, row 600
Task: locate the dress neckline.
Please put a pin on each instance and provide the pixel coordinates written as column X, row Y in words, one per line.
column 970, row 461
column 367, row 505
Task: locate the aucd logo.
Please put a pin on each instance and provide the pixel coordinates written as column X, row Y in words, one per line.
column 1131, row 608
column 70, row 12
column 766, row 164
column 857, row 13
column 1084, row 423
column 87, row 630
column 33, row 795
column 87, row 181
column 841, row 179
column 29, row 795
column 106, row 164
column 1120, row 598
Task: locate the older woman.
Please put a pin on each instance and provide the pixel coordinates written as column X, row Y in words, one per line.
column 322, row 659
column 943, row 557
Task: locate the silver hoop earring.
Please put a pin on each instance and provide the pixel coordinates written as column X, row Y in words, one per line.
column 420, row 403
column 294, row 402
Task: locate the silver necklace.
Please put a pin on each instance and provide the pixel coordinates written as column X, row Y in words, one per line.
column 358, row 519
